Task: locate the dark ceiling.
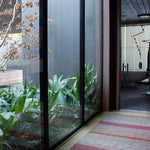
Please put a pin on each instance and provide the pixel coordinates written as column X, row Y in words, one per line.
column 130, row 9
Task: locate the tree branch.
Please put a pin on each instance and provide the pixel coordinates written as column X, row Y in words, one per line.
column 12, row 20
column 1, row 3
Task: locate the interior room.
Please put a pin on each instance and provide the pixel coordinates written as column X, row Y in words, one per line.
column 74, row 74
column 134, row 67
column 135, row 39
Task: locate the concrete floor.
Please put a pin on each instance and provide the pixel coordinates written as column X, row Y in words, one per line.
column 132, row 98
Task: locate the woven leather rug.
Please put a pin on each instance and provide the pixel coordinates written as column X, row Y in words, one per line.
column 118, row 131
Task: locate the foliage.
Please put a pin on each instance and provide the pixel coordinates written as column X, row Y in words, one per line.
column 19, row 17
column 20, row 109
column 57, row 89
column 11, row 18
column 90, row 85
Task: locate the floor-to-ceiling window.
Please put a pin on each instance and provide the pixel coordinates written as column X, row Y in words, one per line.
column 74, row 46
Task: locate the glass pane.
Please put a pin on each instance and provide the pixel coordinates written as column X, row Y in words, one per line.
column 20, row 126
column 93, row 51
column 63, row 65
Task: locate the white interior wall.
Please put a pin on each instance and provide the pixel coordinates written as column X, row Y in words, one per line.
column 129, row 51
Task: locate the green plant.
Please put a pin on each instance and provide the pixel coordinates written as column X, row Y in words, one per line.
column 18, row 112
column 58, row 90
column 20, row 109
column 73, row 92
column 90, row 85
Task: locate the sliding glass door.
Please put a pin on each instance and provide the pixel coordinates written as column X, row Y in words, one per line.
column 50, row 70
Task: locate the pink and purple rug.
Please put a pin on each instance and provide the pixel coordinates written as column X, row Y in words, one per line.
column 118, row 131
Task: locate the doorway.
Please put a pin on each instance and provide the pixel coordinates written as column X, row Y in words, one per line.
column 135, row 47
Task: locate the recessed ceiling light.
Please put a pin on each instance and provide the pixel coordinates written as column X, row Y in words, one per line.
column 144, row 16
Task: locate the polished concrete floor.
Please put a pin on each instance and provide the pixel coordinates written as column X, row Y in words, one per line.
column 134, row 98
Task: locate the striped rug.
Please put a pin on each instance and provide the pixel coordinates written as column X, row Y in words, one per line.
column 118, row 131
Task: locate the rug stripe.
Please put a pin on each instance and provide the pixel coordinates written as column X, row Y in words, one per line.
column 134, row 120
column 133, row 138
column 124, row 125
column 122, row 130
column 87, row 147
